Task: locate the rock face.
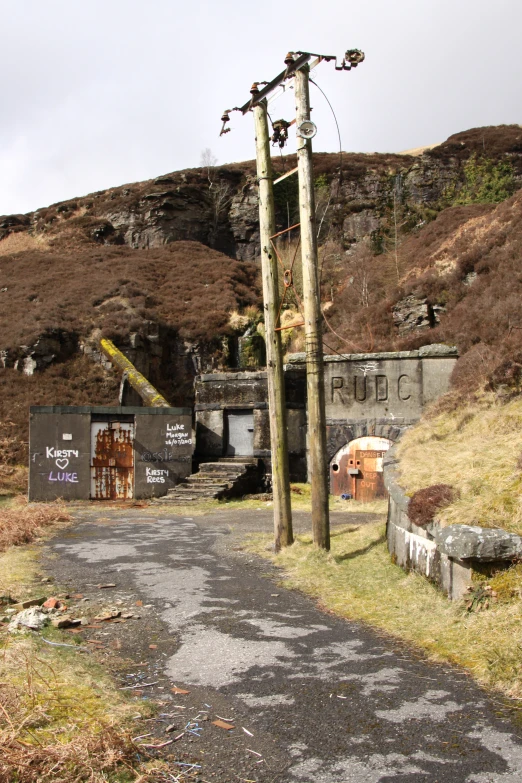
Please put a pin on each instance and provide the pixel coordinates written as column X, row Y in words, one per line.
column 52, row 345
column 466, row 542
column 364, row 200
column 412, row 314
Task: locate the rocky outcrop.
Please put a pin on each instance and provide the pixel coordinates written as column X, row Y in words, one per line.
column 361, row 202
column 413, row 314
column 10, row 224
column 52, row 345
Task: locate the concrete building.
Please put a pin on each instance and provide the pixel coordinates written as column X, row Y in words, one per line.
column 81, row 453
column 370, row 400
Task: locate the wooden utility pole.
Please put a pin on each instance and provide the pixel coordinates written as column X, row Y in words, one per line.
column 296, row 66
column 283, row 535
column 318, row 458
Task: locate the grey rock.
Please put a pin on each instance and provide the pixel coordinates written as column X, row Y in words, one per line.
column 33, row 619
column 438, row 349
column 413, row 314
column 467, row 542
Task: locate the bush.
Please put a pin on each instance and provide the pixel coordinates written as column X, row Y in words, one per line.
column 426, row 502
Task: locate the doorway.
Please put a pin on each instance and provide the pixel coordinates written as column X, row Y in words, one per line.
column 112, row 460
column 240, row 433
column 357, row 469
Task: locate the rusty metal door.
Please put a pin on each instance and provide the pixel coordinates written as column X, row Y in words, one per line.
column 357, row 469
column 368, row 483
column 112, row 460
column 340, row 480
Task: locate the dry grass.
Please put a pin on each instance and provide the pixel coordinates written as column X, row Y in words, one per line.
column 13, row 479
column 475, row 448
column 62, row 719
column 357, row 580
column 21, row 523
column 300, row 498
column 19, row 242
column 239, row 320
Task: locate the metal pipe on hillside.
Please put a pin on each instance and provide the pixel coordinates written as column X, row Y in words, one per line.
column 148, row 393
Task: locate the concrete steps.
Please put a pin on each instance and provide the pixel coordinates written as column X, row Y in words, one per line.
column 229, row 477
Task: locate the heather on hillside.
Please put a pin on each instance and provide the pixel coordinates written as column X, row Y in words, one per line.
column 184, row 286
column 110, row 264
column 468, row 261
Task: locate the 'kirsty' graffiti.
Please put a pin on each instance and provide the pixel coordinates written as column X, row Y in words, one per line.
column 61, row 459
column 156, row 476
column 52, row 453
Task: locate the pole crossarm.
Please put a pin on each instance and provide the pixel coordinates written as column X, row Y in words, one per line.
column 294, row 61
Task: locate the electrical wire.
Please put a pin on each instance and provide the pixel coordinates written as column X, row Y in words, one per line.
column 338, row 133
column 330, row 327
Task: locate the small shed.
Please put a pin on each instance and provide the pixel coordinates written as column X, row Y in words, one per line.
column 107, row 453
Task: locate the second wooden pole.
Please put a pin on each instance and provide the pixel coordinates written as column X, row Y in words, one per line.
column 283, row 535
column 318, row 458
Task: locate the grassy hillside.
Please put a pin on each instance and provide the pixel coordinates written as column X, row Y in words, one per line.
column 476, row 448
column 181, row 292
column 448, row 234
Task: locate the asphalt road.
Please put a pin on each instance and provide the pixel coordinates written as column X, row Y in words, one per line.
column 313, row 698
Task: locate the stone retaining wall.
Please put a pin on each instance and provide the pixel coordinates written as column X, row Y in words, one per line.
column 415, row 548
column 443, row 555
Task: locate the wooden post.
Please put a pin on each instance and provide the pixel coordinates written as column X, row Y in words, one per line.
column 283, row 535
column 313, row 322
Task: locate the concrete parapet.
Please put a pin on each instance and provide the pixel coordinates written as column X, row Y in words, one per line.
column 443, row 555
column 415, row 548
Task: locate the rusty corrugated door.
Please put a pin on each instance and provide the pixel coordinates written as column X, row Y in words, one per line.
column 369, row 482
column 112, row 460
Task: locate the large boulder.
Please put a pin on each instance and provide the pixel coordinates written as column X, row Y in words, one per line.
column 467, row 542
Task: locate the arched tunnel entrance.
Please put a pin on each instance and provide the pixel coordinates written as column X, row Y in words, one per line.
column 356, row 469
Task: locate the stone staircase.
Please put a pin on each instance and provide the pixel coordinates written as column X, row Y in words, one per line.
column 229, row 477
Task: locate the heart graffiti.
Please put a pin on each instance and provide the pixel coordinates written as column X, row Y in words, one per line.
column 62, row 463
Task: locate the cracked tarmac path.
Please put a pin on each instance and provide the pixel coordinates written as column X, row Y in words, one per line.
column 324, row 700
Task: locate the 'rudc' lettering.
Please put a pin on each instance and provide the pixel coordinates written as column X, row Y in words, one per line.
column 381, row 388
column 337, row 390
column 404, row 387
column 359, row 383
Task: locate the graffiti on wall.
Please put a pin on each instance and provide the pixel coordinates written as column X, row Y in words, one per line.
column 61, row 458
column 156, row 475
column 177, row 435
column 157, row 456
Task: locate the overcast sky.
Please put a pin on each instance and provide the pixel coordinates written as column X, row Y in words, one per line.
column 98, row 93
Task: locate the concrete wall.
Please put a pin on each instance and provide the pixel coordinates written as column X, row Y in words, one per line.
column 217, row 393
column 414, row 548
column 366, row 394
column 59, row 455
column 60, row 449
column 384, row 386
column 162, row 450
